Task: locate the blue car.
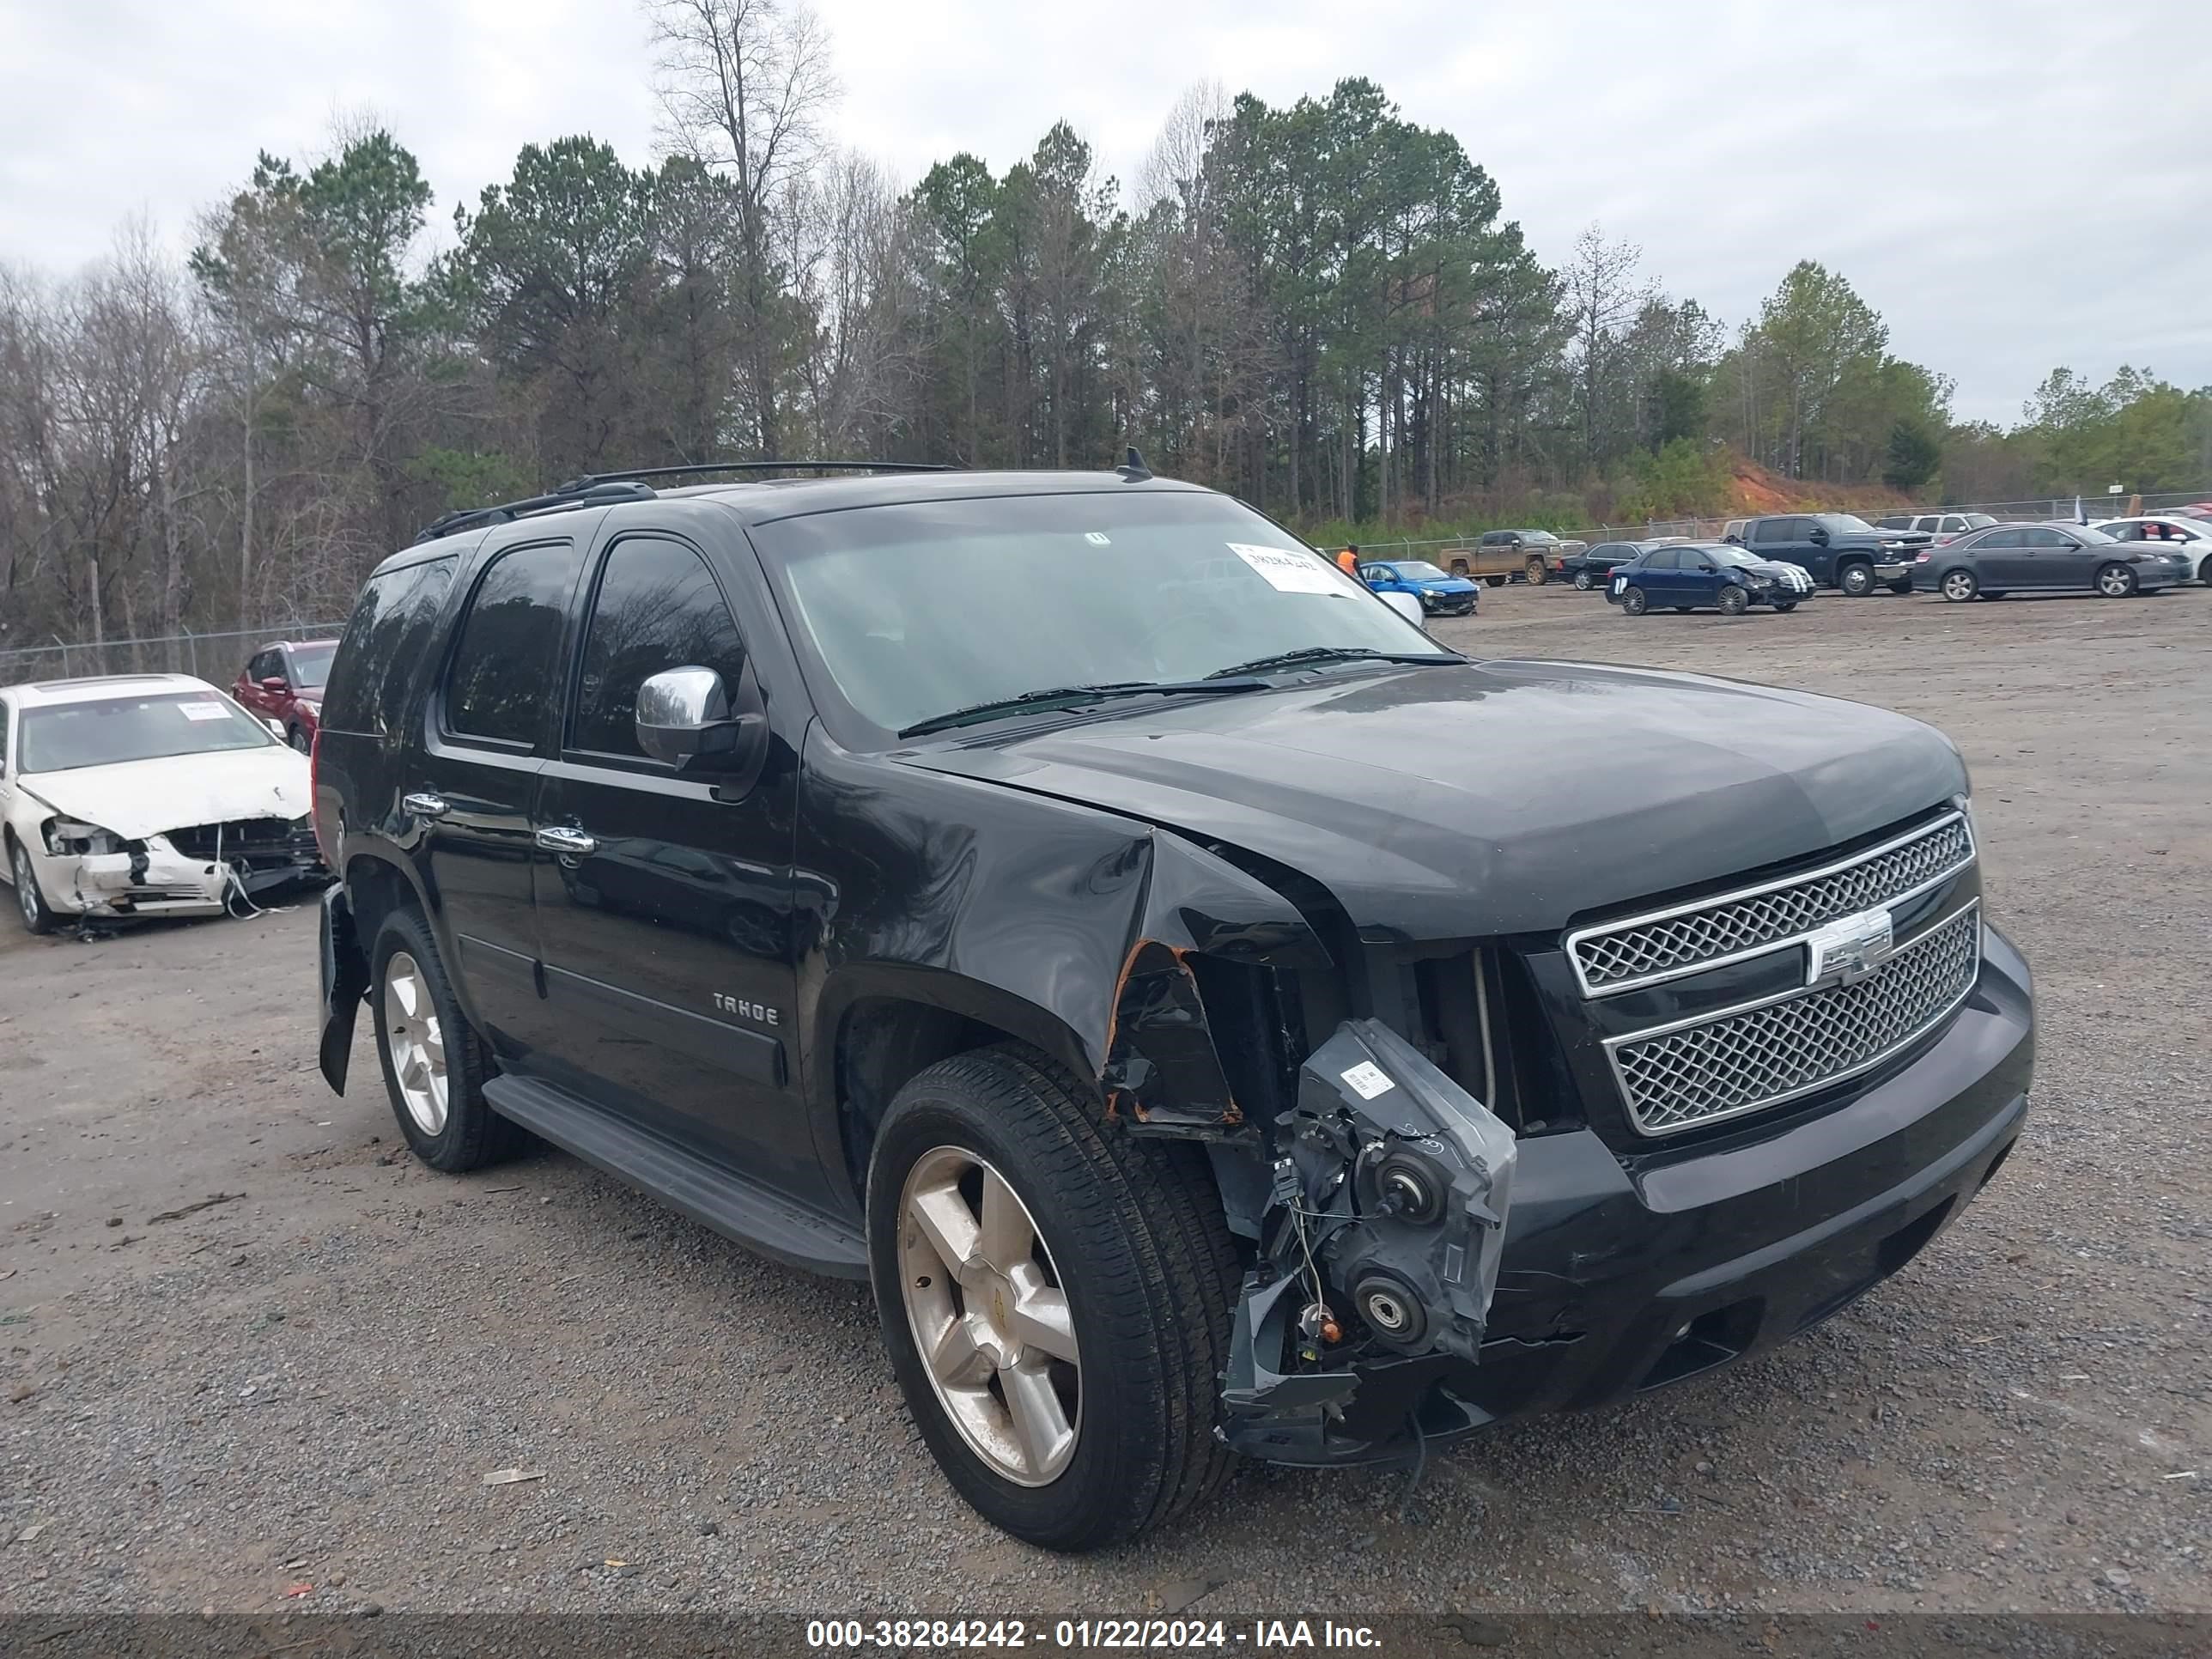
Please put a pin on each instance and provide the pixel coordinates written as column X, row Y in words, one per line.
column 1696, row 575
column 1440, row 594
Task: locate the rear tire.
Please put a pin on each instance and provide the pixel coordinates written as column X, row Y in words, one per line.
column 1904, row 585
column 1857, row 579
column 32, row 910
column 1136, row 1275
column 2115, row 580
column 433, row 1063
column 1634, row 601
column 1495, row 582
column 1537, row 572
column 1584, row 581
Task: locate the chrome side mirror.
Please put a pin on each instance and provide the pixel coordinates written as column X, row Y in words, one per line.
column 683, row 713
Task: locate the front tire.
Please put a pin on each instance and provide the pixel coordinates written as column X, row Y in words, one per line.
column 2115, row 580
column 1856, row 580
column 1785, row 606
column 1960, row 585
column 1733, row 599
column 30, row 907
column 1056, row 1298
column 434, row 1063
column 1634, row 602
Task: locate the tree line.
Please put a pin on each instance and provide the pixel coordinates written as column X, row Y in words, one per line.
column 1319, row 307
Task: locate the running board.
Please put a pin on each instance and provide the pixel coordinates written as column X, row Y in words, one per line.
column 695, row 1186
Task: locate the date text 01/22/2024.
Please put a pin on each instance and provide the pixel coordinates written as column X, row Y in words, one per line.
column 1165, row 1635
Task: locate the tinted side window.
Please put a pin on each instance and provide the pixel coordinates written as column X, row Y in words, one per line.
column 385, row 644
column 657, row 608
column 2001, row 539
column 1664, row 558
column 2044, row 538
column 504, row 670
column 1775, row 529
column 2126, row 533
column 264, row 665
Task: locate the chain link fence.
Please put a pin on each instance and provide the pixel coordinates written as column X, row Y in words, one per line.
column 215, row 658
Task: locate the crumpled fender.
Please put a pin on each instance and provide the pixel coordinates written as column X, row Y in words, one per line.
column 1163, row 1073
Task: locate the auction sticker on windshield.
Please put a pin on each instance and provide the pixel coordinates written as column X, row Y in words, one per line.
column 204, row 711
column 1289, row 571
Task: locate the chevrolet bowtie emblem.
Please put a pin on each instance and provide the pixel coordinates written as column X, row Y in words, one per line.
column 1848, row 949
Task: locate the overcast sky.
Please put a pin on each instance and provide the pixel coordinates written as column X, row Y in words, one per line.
column 2013, row 184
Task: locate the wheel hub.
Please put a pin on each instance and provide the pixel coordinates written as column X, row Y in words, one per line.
column 417, row 1042
column 989, row 1317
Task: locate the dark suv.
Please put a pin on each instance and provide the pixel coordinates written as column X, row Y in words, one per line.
column 1838, row 550
column 1187, row 993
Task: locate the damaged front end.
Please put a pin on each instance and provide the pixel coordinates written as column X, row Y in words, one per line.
column 1379, row 1251
column 192, row 870
column 1370, row 1189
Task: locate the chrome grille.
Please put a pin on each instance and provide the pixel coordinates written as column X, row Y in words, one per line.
column 1617, row 957
column 1738, row 1062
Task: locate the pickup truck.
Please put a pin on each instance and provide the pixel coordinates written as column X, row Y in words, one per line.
column 1836, row 550
column 1501, row 555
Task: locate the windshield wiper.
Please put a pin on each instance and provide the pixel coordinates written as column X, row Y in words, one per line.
column 1072, row 696
column 1320, row 653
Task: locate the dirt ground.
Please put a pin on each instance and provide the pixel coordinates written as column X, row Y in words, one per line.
column 291, row 1397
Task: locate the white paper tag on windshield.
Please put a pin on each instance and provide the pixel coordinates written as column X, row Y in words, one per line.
column 1367, row 1080
column 1290, row 572
column 205, row 711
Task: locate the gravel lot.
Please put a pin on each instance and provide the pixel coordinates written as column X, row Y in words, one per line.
column 306, row 1384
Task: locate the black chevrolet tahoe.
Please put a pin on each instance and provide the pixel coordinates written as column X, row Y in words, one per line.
column 1215, row 1018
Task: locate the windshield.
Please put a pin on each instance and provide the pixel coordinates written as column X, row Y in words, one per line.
column 1843, row 524
column 69, row 735
column 918, row 608
column 2088, row 534
column 1419, row 570
column 1727, row 555
column 311, row 664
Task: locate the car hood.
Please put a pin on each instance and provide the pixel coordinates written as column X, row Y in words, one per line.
column 1778, row 569
column 1444, row 585
column 1493, row 797
column 137, row 798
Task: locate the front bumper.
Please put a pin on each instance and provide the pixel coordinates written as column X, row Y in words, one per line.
column 1892, row 570
column 154, row 878
column 1619, row 1279
column 1619, row 1275
column 1449, row 604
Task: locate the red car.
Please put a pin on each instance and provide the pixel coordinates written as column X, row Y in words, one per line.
column 283, row 682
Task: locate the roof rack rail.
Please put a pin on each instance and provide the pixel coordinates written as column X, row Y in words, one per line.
column 699, row 469
column 579, row 492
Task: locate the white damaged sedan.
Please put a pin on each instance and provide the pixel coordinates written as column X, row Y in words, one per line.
column 144, row 795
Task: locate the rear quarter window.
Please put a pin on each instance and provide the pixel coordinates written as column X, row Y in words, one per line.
column 387, row 646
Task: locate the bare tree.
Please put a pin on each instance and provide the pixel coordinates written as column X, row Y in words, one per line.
column 742, row 86
column 1603, row 295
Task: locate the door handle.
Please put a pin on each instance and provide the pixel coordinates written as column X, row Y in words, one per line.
column 424, row 805
column 570, row 843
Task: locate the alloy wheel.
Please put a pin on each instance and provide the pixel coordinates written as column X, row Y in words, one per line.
column 1583, row 580
column 26, row 891
column 416, row 1040
column 1958, row 585
column 2116, row 581
column 989, row 1318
